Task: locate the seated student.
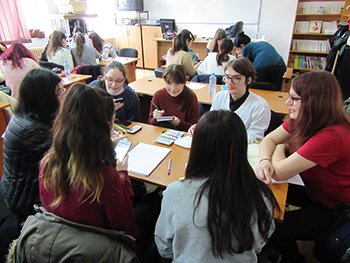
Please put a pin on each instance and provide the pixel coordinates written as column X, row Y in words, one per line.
column 269, row 65
column 79, row 29
column 57, row 51
column 187, row 35
column 178, row 54
column 215, row 62
column 79, row 178
column 16, row 62
column 213, row 44
column 83, row 54
column 28, row 137
column 176, row 100
column 313, row 143
column 103, row 49
column 220, row 212
column 251, row 108
column 115, row 83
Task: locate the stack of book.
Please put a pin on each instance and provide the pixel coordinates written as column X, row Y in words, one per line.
column 309, row 62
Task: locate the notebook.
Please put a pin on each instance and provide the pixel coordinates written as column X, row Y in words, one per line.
column 144, row 158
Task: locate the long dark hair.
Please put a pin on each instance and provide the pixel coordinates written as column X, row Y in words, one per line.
column 16, row 53
column 79, row 40
column 225, row 49
column 176, row 73
column 82, row 145
column 241, row 39
column 236, row 196
column 321, row 106
column 97, row 41
column 55, row 42
column 180, row 41
column 37, row 95
column 219, row 35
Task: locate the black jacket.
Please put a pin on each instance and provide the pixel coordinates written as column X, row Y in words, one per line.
column 25, row 143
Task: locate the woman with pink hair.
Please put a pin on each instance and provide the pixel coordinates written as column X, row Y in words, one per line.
column 16, row 62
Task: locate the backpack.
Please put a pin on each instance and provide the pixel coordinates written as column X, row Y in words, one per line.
column 335, row 246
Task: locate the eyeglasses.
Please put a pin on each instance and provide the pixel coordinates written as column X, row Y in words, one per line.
column 60, row 91
column 115, row 81
column 235, row 79
column 292, row 100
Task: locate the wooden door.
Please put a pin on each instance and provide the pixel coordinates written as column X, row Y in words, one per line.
column 149, row 33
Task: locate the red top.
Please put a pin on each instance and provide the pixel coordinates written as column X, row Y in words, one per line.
column 328, row 182
column 171, row 105
column 114, row 211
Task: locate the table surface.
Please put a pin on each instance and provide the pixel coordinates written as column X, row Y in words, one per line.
column 149, row 85
column 123, row 60
column 74, row 79
column 179, row 157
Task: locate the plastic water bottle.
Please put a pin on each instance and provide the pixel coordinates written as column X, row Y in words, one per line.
column 66, row 69
column 212, row 84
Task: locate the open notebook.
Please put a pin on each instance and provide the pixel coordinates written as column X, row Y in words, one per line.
column 144, row 158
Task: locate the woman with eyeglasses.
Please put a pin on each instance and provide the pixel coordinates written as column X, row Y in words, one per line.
column 28, row 137
column 251, row 108
column 175, row 100
column 314, row 143
column 114, row 81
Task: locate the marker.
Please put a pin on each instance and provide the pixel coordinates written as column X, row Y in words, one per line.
column 169, row 166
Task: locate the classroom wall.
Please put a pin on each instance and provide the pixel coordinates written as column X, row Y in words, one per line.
column 273, row 19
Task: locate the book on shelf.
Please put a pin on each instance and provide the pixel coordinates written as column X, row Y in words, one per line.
column 319, row 8
column 301, row 27
column 315, row 27
column 329, row 27
column 311, row 45
column 309, row 62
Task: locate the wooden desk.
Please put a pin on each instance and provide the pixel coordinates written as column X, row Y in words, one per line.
column 149, row 85
column 67, row 82
column 199, row 46
column 179, row 157
column 3, row 125
column 129, row 64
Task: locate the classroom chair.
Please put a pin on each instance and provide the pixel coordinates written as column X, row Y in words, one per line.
column 205, row 78
column 264, row 86
column 93, row 70
column 275, row 121
column 158, row 72
column 49, row 65
column 128, row 52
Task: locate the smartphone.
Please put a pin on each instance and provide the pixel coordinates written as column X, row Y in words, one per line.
column 118, row 100
column 134, row 129
column 122, row 149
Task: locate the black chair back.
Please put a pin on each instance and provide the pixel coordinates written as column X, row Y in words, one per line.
column 264, row 86
column 275, row 122
column 128, row 52
column 158, row 72
column 49, row 65
column 205, row 78
column 93, row 70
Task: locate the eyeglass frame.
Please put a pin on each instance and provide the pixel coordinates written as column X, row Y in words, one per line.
column 292, row 100
column 115, row 81
column 236, row 79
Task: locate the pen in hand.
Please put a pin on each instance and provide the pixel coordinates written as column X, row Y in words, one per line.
column 169, row 166
column 154, row 105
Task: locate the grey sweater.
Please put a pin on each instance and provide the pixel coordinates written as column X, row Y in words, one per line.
column 178, row 238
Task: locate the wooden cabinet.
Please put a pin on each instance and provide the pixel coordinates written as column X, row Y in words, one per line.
column 315, row 23
column 130, row 37
column 149, row 34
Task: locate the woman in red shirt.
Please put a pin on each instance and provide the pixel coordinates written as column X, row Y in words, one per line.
column 313, row 143
column 176, row 100
column 79, row 179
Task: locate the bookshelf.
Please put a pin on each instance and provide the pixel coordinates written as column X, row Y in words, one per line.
column 315, row 23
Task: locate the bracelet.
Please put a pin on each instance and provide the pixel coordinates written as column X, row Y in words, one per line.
column 265, row 159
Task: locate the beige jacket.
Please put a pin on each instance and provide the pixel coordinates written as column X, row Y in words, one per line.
column 182, row 58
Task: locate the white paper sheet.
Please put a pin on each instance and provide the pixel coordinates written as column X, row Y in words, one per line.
column 144, row 158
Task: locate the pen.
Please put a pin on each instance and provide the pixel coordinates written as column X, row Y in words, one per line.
column 169, row 166
column 154, row 105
